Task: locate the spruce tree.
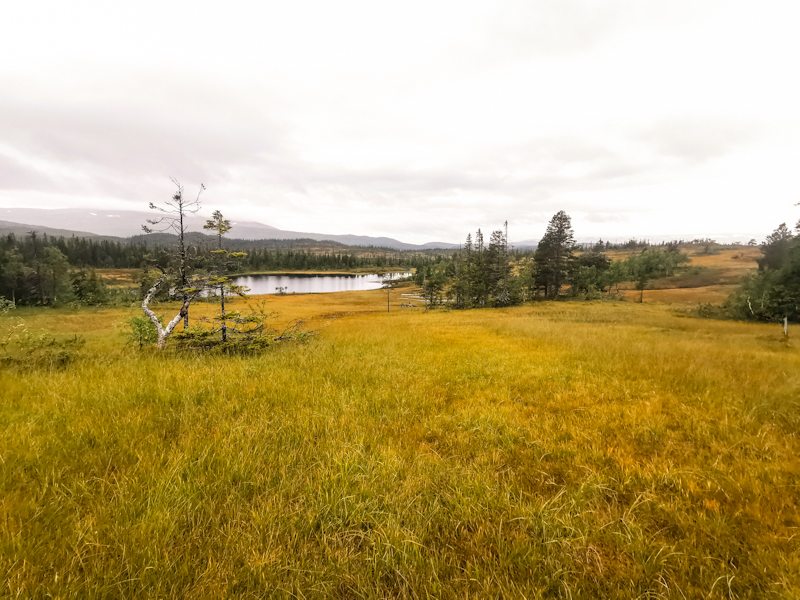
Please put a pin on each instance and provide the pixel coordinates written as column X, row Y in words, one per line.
column 467, row 272
column 478, row 279
column 498, row 268
column 554, row 254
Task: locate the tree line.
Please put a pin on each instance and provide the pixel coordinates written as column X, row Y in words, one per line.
column 77, row 251
column 45, row 270
column 261, row 259
column 634, row 244
column 484, row 274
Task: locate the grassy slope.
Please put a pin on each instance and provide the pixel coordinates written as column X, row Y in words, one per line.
column 553, row 450
column 707, row 279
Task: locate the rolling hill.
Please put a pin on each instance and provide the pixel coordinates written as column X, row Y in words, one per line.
column 126, row 224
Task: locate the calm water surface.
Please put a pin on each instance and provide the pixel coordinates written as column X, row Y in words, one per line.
column 313, row 284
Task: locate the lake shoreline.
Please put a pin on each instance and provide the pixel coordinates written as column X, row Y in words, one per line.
column 359, row 271
column 315, row 283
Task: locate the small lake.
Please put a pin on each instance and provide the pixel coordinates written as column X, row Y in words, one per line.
column 299, row 283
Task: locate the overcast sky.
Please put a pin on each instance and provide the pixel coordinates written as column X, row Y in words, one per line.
column 417, row 120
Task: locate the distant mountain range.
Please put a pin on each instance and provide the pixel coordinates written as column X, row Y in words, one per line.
column 95, row 223
column 84, row 222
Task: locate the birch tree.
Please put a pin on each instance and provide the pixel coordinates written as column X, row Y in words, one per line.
column 164, row 331
column 173, row 216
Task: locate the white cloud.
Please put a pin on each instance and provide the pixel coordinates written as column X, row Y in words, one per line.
column 409, row 119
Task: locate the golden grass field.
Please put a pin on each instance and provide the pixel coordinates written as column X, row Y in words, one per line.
column 709, row 279
column 553, row 450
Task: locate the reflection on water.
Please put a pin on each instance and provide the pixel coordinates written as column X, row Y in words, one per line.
column 313, row 284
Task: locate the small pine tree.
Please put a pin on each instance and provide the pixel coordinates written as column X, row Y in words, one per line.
column 220, row 282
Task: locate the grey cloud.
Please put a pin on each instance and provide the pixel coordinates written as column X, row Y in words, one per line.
column 695, row 139
column 17, row 176
column 620, row 171
column 604, row 217
column 515, row 170
column 562, row 26
column 517, row 178
column 128, row 151
column 108, row 147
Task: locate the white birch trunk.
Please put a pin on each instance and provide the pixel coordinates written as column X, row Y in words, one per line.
column 164, row 332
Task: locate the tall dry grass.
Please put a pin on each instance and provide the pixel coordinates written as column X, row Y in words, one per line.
column 576, row 450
